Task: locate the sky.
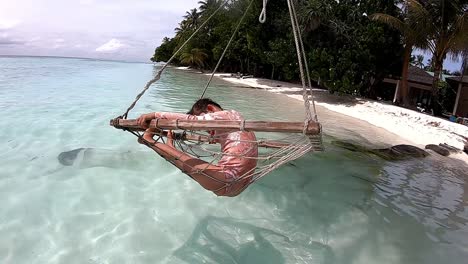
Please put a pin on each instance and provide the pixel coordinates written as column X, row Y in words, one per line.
column 106, row 29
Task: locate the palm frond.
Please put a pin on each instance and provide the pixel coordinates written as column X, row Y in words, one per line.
column 419, row 18
column 415, row 8
column 458, row 39
column 390, row 21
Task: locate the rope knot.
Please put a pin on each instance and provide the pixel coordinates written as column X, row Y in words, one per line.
column 242, row 125
column 115, row 122
column 262, row 17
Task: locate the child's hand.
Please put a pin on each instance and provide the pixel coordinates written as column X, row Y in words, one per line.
column 170, row 138
column 143, row 120
column 147, row 138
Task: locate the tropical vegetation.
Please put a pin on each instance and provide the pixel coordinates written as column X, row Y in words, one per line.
column 413, row 29
column 351, row 45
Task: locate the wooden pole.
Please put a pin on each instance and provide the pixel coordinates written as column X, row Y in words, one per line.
column 459, row 91
column 313, row 128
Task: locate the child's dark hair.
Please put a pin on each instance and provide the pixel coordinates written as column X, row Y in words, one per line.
column 201, row 105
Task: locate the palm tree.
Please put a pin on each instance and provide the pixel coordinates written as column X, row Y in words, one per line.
column 208, row 6
column 183, row 27
column 192, row 18
column 194, row 57
column 419, row 61
column 449, row 30
column 413, row 28
column 429, row 66
column 313, row 14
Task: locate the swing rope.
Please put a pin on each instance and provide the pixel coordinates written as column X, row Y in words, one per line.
column 226, row 48
column 158, row 75
column 289, row 147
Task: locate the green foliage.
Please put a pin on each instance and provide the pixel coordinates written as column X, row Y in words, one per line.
column 194, row 57
column 350, row 53
column 347, row 52
column 165, row 51
column 448, row 32
column 447, row 96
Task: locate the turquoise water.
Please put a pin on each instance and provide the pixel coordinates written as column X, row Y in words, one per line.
column 120, row 203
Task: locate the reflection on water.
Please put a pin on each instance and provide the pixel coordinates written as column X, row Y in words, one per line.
column 366, row 213
column 433, row 192
column 75, row 190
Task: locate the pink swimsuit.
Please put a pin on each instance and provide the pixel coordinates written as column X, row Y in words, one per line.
column 234, row 145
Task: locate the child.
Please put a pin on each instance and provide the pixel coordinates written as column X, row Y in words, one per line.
column 239, row 149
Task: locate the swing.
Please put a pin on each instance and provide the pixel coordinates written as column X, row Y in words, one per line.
column 278, row 142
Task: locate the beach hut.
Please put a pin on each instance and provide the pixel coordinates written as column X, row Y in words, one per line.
column 419, row 86
column 461, row 102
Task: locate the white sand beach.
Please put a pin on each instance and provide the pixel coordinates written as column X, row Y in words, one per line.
column 419, row 128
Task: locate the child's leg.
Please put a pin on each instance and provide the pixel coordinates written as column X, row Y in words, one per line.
column 210, row 177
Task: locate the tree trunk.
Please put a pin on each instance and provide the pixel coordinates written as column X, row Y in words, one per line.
column 403, row 93
column 436, row 107
column 272, row 72
column 436, row 78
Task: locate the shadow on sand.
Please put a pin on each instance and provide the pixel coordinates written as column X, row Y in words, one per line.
column 224, row 240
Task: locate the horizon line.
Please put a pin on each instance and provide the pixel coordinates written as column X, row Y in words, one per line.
column 73, row 57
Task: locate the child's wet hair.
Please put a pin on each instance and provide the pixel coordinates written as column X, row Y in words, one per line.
column 201, row 106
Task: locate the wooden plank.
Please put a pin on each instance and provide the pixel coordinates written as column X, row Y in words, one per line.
column 313, row 128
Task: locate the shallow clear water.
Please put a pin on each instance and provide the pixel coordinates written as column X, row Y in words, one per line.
column 121, row 203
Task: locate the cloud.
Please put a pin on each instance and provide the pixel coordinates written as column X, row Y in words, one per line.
column 9, row 24
column 116, row 29
column 10, row 42
column 5, row 39
column 111, row 46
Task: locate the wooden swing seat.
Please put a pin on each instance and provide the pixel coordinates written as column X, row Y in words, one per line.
column 313, row 128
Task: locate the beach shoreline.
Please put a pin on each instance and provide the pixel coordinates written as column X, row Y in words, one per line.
column 417, row 128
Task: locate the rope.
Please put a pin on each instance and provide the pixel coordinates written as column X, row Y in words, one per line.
column 317, row 140
column 158, row 75
column 305, row 62
column 226, row 48
column 301, row 67
column 274, row 159
column 297, row 145
column 262, row 17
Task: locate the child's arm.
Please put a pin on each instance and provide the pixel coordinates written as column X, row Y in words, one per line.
column 144, row 119
column 210, row 177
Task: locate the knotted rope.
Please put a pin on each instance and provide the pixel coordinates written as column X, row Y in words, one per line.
column 158, row 75
column 294, row 146
column 262, row 17
column 305, row 95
